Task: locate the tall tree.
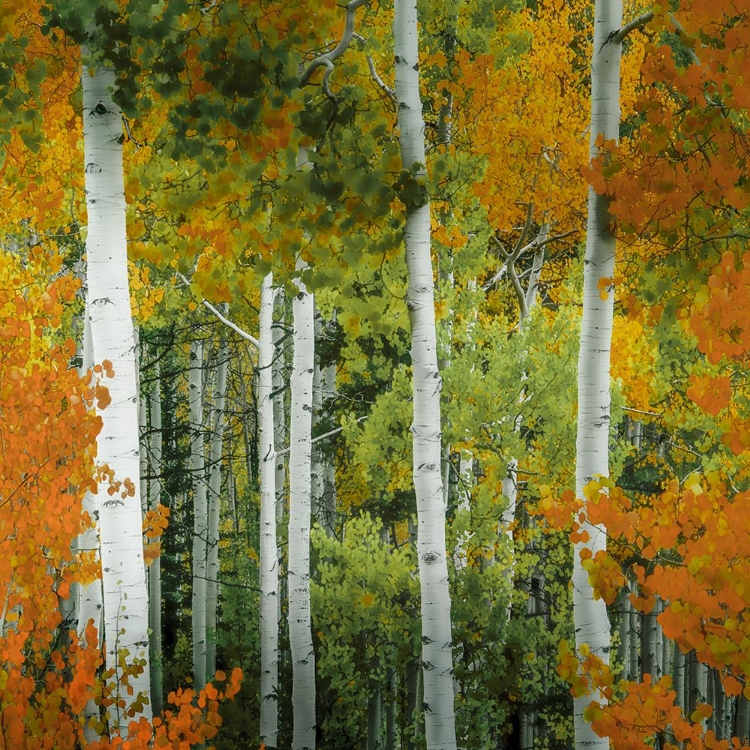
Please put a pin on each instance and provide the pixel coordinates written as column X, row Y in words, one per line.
column 592, row 442
column 269, row 554
column 437, row 644
column 300, row 509
column 200, row 513
column 120, row 520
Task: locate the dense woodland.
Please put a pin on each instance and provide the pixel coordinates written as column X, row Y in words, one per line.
column 373, row 374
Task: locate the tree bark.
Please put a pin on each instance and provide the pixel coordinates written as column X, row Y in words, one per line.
column 437, row 656
column 592, row 443
column 300, row 458
column 200, row 514
column 113, row 339
column 269, row 557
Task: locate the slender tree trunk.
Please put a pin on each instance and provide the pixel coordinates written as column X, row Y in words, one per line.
column 200, row 514
column 269, row 556
column 390, row 711
column 679, row 668
column 592, row 444
column 437, row 642
column 374, row 716
column 113, row 338
column 154, row 577
column 300, row 457
column 214, row 506
column 743, row 719
column 650, row 643
column 280, row 421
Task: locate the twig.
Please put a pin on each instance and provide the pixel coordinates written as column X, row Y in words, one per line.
column 321, row 437
column 245, row 335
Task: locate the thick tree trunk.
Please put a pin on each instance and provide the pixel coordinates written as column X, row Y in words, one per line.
column 592, row 444
column 120, row 519
column 300, row 458
column 200, row 514
column 269, row 557
column 214, row 507
column 437, row 646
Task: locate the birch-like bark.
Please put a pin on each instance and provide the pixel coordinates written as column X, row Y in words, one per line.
column 592, row 443
column 300, row 458
column 214, row 506
column 200, row 514
column 280, row 432
column 269, row 557
column 742, row 729
column 437, row 645
column 154, row 574
column 113, row 338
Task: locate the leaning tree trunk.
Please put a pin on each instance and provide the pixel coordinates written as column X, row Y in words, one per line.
column 300, row 508
column 120, row 518
column 592, row 443
column 269, row 556
column 437, row 646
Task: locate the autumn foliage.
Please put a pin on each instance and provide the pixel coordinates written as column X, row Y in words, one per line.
column 47, row 444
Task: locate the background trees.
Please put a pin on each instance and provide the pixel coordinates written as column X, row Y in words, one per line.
column 219, row 101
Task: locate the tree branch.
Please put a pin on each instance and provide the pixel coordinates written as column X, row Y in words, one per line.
column 328, row 58
column 637, row 23
column 245, row 335
column 322, row 437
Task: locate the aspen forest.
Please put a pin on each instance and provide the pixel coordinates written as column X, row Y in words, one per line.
column 372, row 374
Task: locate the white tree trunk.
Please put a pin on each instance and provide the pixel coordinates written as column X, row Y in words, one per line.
column 120, row 519
column 214, row 506
column 200, row 514
column 437, row 656
column 300, row 508
column 592, row 443
column 154, row 574
column 269, row 558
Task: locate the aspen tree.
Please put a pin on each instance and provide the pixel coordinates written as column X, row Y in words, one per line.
column 300, row 509
column 269, row 556
column 592, row 442
column 113, row 339
column 437, row 657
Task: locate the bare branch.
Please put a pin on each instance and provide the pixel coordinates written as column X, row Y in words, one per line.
column 322, row 437
column 637, row 23
column 245, row 335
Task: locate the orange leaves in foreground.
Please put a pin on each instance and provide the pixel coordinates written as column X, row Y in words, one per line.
column 47, row 438
column 192, row 721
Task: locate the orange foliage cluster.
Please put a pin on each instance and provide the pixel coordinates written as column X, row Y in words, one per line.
column 47, row 440
column 155, row 523
column 46, row 436
column 194, row 719
column 679, row 175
